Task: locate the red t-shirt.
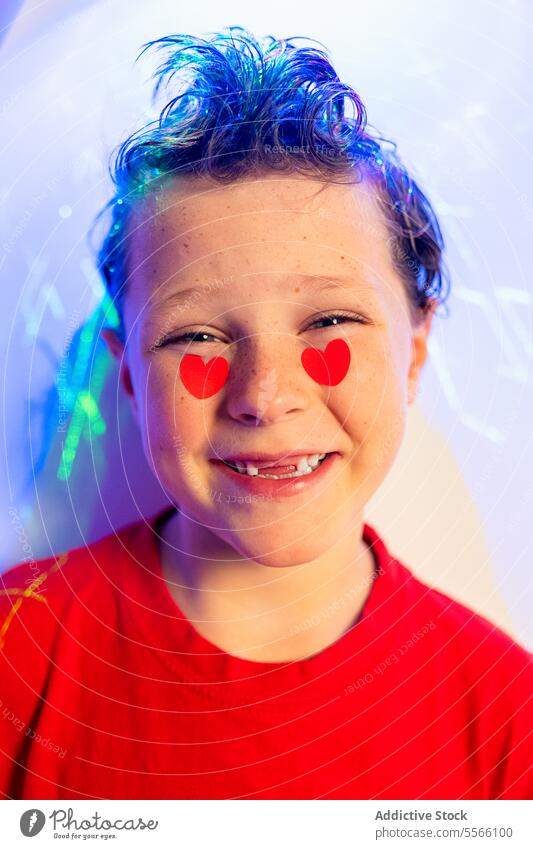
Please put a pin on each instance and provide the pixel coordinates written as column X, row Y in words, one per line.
column 107, row 691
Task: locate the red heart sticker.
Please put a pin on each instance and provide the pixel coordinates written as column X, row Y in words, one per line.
column 330, row 366
column 203, row 379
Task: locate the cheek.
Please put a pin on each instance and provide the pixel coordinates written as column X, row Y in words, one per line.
column 371, row 399
column 169, row 414
column 175, row 425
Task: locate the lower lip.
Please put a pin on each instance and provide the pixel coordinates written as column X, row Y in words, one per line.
column 269, row 488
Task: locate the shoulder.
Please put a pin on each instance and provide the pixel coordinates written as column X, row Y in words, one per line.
column 52, row 611
column 36, row 596
column 58, row 611
column 463, row 637
column 489, row 677
column 471, row 633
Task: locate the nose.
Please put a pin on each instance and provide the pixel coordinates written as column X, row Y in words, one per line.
column 267, row 382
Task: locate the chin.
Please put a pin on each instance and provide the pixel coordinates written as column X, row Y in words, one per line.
column 276, row 555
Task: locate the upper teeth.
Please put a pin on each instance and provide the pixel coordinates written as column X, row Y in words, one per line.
column 305, row 463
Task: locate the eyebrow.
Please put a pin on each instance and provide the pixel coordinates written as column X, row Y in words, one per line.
column 318, row 283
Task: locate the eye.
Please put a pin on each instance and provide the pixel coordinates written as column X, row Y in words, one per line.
column 191, row 337
column 194, row 337
column 339, row 318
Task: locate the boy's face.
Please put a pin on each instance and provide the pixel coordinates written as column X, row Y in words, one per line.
column 258, row 251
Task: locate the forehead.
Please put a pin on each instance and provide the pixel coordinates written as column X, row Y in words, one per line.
column 262, row 228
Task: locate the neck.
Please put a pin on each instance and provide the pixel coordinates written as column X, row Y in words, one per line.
column 259, row 612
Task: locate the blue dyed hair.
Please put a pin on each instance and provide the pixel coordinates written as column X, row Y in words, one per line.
column 243, row 105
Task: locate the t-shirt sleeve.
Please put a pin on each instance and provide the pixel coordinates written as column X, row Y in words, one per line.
column 513, row 775
column 499, row 696
column 490, row 682
column 27, row 627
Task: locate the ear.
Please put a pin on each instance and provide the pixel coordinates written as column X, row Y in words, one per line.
column 419, row 351
column 117, row 349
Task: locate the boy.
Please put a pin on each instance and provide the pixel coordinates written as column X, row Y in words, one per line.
column 275, row 271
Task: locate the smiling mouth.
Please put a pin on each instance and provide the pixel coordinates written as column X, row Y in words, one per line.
column 305, row 466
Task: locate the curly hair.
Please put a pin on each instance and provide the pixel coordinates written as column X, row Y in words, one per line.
column 243, row 105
